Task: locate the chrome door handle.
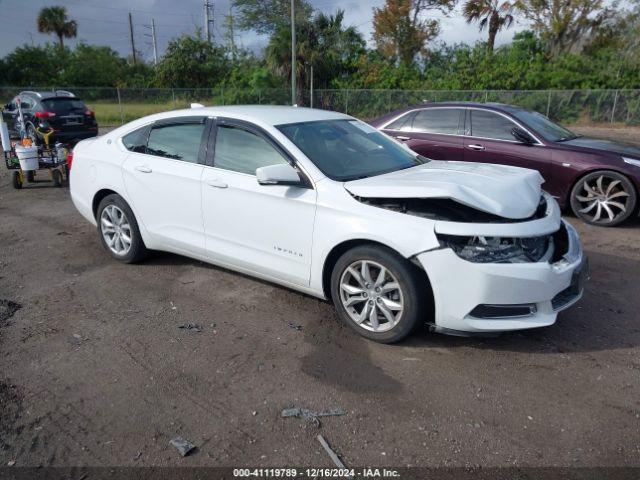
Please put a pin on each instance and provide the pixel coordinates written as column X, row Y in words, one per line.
column 143, row 168
column 217, row 183
column 400, row 137
column 476, row 147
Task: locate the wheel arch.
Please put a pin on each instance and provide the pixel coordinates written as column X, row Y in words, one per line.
column 99, row 196
column 338, row 250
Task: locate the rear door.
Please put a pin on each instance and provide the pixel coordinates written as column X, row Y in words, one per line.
column 163, row 181
column 433, row 132
column 488, row 139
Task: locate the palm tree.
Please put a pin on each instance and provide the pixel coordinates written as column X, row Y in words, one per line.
column 489, row 13
column 55, row 20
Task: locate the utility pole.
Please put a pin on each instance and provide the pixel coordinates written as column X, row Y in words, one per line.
column 208, row 20
column 311, row 86
column 230, row 33
column 293, row 53
column 133, row 45
column 155, row 42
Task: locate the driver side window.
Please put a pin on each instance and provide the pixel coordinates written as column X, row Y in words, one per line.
column 241, row 151
column 490, row 125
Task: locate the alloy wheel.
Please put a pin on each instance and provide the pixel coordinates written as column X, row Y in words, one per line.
column 116, row 229
column 602, row 199
column 371, row 296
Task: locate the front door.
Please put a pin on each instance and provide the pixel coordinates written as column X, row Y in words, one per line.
column 163, row 180
column 262, row 229
column 488, row 139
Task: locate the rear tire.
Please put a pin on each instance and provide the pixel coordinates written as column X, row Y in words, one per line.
column 33, row 135
column 118, row 230
column 384, row 309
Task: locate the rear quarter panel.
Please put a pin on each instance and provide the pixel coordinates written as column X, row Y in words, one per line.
column 96, row 166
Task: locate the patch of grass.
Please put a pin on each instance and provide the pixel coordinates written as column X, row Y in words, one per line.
column 110, row 113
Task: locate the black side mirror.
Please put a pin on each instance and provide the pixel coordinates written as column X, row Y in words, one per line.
column 522, row 136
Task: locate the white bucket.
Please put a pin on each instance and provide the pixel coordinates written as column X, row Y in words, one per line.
column 28, row 157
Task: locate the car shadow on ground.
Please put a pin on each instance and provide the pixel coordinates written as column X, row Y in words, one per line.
column 604, row 319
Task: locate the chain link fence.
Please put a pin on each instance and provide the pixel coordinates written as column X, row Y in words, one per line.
column 115, row 106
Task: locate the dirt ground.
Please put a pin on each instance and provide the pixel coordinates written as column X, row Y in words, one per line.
column 95, row 369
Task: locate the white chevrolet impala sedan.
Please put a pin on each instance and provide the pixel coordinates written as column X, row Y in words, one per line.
column 322, row 203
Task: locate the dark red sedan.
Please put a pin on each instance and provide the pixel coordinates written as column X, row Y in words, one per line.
column 599, row 179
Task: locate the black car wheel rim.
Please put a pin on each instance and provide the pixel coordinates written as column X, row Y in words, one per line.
column 602, row 199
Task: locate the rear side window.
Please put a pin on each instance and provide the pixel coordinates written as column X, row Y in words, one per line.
column 63, row 105
column 178, row 141
column 27, row 103
column 438, row 120
column 487, row 124
column 136, row 141
column 241, row 151
column 402, row 123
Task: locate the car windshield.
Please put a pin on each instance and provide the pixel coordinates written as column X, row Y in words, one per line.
column 62, row 105
column 349, row 149
column 549, row 130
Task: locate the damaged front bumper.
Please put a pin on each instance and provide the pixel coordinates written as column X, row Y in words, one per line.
column 494, row 297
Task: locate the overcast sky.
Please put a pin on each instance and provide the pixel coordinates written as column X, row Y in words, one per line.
column 106, row 23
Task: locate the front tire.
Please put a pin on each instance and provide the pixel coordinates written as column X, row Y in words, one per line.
column 604, row 198
column 118, row 229
column 378, row 294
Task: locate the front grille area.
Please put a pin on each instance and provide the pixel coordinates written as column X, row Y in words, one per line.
column 485, row 311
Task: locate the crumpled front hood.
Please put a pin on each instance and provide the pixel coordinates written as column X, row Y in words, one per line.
column 509, row 192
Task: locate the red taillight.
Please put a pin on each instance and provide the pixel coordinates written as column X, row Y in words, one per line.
column 69, row 160
column 89, row 113
column 45, row 114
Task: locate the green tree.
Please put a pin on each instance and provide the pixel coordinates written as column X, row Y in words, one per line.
column 493, row 14
column 324, row 43
column 400, row 32
column 192, row 62
column 266, row 16
column 568, row 25
column 55, row 20
column 90, row 65
column 35, row 66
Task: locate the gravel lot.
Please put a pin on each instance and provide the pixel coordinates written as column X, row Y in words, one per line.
column 94, row 369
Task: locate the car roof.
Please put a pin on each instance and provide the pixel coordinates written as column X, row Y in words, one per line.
column 271, row 114
column 262, row 115
column 487, row 105
column 46, row 94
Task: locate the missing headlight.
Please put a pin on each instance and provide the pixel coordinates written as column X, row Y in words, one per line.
column 499, row 250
